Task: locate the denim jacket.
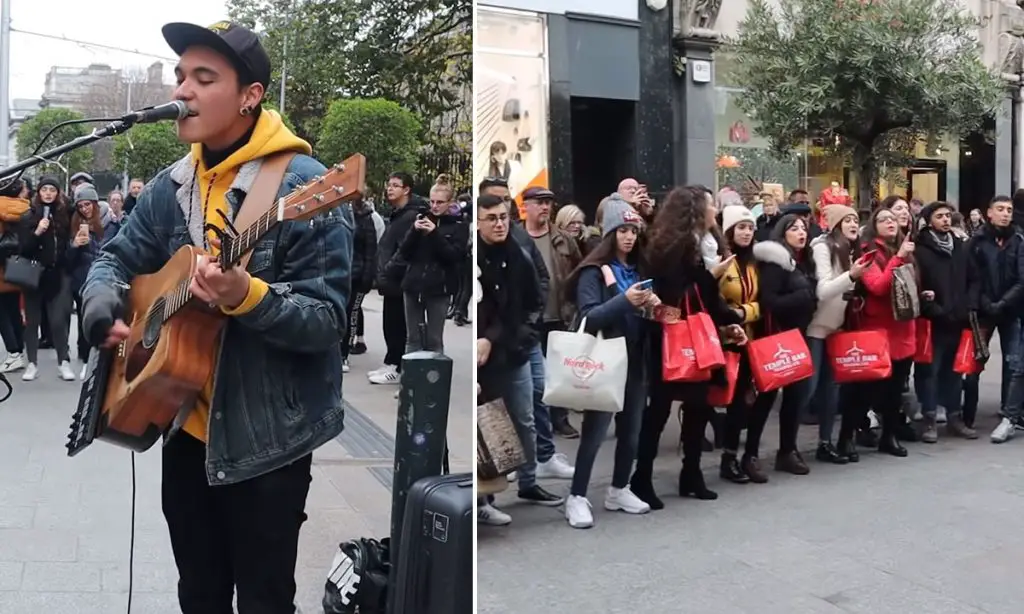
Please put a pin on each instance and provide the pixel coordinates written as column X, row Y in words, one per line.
column 277, row 384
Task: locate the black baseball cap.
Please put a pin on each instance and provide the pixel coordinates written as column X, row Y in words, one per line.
column 237, row 43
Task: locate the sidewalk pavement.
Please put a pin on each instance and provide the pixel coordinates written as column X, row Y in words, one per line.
column 934, row 532
column 65, row 523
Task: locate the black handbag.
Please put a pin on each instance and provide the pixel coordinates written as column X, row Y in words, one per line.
column 23, row 272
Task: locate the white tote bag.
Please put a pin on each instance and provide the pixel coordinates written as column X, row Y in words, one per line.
column 585, row 372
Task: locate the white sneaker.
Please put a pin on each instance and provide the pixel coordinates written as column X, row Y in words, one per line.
column 64, row 371
column 389, row 375
column 918, row 415
column 345, row 367
column 378, row 370
column 940, row 415
column 1003, row 432
column 84, row 373
column 490, row 515
column 13, row 362
column 873, row 417
column 513, row 477
column 578, row 512
column 397, row 393
column 557, row 467
column 31, row 372
column 623, row 500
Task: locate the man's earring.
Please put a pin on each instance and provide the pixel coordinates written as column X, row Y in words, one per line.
column 244, row 111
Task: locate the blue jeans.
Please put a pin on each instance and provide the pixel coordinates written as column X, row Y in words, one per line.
column 935, row 383
column 541, row 414
column 823, row 392
column 627, row 434
column 515, row 387
column 1011, row 394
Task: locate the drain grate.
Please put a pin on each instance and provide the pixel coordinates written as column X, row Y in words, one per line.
column 364, row 439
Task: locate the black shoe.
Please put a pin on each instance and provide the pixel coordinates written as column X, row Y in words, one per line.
column 461, row 320
column 358, row 348
column 848, row 449
column 731, row 470
column 644, row 491
column 890, row 444
column 906, row 432
column 691, row 484
column 44, row 344
column 538, row 495
column 566, row 430
column 867, row 439
column 827, row 453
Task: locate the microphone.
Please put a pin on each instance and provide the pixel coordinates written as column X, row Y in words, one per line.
column 46, row 212
column 174, row 110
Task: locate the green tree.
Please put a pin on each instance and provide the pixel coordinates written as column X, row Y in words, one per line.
column 268, row 104
column 32, row 132
column 381, row 130
column 868, row 79
column 147, row 149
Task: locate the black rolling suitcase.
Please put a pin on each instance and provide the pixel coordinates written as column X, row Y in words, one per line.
column 435, row 566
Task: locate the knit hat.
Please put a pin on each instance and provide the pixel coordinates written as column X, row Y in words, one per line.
column 734, row 214
column 933, row 208
column 48, row 180
column 86, row 191
column 619, row 213
column 834, row 214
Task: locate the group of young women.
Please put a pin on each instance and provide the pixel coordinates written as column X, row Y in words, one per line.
column 840, row 280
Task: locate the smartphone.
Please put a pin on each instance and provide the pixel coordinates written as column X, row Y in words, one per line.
column 647, row 284
column 868, row 255
column 83, row 228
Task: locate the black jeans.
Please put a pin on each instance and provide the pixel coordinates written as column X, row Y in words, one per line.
column 884, row 396
column 12, row 329
column 394, row 330
column 241, row 536
column 355, row 307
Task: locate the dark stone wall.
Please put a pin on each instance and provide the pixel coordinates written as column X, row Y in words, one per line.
column 655, row 125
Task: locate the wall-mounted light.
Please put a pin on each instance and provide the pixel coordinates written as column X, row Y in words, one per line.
column 657, row 5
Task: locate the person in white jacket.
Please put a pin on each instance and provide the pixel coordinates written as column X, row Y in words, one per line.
column 838, row 267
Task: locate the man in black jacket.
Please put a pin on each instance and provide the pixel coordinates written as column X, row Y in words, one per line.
column 405, row 208
column 997, row 268
column 509, row 308
column 942, row 262
column 364, row 270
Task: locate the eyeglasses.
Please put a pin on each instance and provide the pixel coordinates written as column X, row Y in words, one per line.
column 495, row 219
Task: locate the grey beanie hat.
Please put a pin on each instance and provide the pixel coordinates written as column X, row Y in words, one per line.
column 619, row 213
column 86, row 191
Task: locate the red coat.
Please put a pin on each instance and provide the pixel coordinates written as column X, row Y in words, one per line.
column 877, row 312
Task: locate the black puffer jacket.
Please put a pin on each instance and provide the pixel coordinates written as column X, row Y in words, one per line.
column 509, row 304
column 390, row 274
column 50, row 248
column 997, row 273
column 364, row 249
column 945, row 274
column 433, row 258
column 786, row 288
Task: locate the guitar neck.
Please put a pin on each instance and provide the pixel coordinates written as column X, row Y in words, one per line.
column 236, row 247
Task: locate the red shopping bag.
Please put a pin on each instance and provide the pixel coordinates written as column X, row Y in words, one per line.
column 859, row 356
column 704, row 334
column 923, row 332
column 965, row 363
column 678, row 360
column 721, row 396
column 779, row 360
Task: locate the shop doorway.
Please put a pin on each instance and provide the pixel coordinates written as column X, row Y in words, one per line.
column 977, row 170
column 603, row 149
column 926, row 180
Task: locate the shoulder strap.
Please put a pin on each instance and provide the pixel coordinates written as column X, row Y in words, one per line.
column 263, row 191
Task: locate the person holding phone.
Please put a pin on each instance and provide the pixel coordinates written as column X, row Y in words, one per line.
column 612, row 295
column 81, row 252
column 838, row 264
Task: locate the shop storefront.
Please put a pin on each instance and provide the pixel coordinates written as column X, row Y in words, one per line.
column 511, row 98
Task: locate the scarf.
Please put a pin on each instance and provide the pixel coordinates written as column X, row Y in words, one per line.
column 625, row 276
column 943, row 239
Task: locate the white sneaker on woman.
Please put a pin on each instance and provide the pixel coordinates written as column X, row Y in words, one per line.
column 31, row 372
column 578, row 512
column 65, row 372
column 623, row 500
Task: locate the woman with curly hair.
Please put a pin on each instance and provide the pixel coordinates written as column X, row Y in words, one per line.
column 673, row 254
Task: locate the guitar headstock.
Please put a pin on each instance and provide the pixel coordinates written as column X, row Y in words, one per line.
column 343, row 181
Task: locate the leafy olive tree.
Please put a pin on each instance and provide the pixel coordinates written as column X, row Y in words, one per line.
column 869, row 78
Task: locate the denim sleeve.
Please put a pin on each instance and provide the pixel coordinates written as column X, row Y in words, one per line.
column 304, row 311
column 140, row 248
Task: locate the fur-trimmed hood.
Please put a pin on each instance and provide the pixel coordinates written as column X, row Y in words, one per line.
column 774, row 252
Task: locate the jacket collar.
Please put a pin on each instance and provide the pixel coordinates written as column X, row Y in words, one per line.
column 184, row 174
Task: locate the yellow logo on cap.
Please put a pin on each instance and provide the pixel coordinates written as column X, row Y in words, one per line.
column 221, row 26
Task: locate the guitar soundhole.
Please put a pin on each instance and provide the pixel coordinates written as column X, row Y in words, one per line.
column 154, row 321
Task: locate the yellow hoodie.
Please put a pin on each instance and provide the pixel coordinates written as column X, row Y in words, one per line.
column 269, row 137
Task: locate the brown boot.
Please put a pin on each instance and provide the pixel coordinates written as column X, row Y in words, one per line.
column 752, row 467
column 791, row 462
column 955, row 426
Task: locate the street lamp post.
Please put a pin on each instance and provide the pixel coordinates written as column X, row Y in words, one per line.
column 5, row 82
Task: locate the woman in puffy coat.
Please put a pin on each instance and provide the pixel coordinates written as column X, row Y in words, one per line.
column 889, row 249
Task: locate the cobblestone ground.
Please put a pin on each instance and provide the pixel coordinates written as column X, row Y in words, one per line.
column 65, row 523
column 931, row 533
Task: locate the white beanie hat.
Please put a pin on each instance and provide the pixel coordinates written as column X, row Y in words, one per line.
column 734, row 214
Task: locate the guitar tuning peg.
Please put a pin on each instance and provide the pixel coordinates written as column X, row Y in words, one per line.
column 338, row 189
column 319, row 179
column 339, row 166
column 319, row 198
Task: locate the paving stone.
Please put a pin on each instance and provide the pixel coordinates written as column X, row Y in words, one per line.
column 62, row 577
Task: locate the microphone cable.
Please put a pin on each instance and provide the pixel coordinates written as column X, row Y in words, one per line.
column 6, row 384
column 131, row 546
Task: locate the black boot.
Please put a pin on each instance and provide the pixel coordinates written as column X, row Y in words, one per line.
column 642, row 486
column 691, row 484
column 827, row 453
column 731, row 470
column 848, row 449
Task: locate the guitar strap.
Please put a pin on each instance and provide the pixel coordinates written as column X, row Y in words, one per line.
column 263, row 188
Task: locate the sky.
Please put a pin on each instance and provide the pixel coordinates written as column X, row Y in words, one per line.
column 129, row 24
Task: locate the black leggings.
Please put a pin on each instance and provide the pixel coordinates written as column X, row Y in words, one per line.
column 696, row 414
column 885, row 396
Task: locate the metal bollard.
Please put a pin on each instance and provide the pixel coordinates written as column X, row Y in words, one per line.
column 421, row 437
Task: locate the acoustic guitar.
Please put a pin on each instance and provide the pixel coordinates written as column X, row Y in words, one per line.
column 134, row 391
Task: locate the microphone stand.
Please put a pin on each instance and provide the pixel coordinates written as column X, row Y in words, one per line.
column 111, row 129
